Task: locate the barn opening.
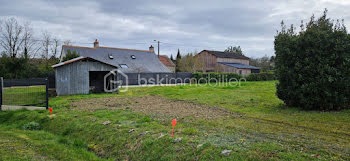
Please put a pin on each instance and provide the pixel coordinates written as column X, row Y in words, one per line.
column 97, row 81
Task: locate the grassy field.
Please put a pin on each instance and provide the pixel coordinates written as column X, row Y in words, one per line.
column 249, row 120
column 32, row 95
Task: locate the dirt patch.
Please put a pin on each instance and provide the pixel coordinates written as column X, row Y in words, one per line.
column 154, row 106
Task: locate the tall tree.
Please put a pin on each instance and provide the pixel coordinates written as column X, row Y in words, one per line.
column 55, row 45
column 178, row 58
column 235, row 50
column 11, row 36
column 171, row 58
column 29, row 45
column 190, row 63
column 46, row 43
column 186, row 63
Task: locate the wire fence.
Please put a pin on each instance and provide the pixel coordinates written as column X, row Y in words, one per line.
column 24, row 92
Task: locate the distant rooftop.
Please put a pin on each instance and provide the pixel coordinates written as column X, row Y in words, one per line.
column 239, row 66
column 222, row 54
column 166, row 61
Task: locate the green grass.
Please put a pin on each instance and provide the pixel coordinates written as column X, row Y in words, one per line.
column 40, row 145
column 34, row 96
column 266, row 131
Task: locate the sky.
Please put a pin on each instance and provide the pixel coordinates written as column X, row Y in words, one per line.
column 188, row 25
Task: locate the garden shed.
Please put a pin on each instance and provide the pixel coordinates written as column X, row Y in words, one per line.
column 80, row 75
column 86, row 73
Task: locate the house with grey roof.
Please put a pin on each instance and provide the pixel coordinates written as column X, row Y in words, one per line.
column 86, row 73
column 226, row 62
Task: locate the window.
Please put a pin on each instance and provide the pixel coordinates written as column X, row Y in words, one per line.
column 240, row 71
column 133, row 57
column 123, row 66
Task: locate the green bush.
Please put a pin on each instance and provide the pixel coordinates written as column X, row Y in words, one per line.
column 32, row 126
column 225, row 77
column 212, row 77
column 70, row 55
column 313, row 66
column 260, row 77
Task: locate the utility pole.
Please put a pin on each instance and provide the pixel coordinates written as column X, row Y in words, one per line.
column 158, row 46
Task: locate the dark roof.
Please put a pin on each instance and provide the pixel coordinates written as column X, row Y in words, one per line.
column 239, row 66
column 222, row 54
column 77, row 59
column 145, row 60
column 166, row 61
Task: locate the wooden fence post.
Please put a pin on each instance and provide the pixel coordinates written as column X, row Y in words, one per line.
column 47, row 93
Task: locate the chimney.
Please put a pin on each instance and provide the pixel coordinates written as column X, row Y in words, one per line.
column 96, row 44
column 151, row 49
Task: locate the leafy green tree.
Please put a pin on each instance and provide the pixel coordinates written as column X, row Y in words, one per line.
column 178, row 59
column 313, row 66
column 70, row 55
column 235, row 50
column 15, row 68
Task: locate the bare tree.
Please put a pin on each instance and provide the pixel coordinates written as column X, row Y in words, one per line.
column 199, row 64
column 55, row 45
column 11, row 36
column 46, row 42
column 67, row 42
column 29, row 44
column 187, row 63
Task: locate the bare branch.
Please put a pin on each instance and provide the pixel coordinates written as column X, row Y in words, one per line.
column 46, row 42
column 55, row 46
column 11, row 36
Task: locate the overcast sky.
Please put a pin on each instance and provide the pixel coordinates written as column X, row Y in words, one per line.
column 188, row 25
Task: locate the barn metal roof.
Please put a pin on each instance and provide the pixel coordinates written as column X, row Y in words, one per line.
column 144, row 60
column 239, row 66
column 76, row 59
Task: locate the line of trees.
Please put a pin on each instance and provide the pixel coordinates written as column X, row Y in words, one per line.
column 23, row 56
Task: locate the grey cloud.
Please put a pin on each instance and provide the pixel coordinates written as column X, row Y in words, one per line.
column 188, row 25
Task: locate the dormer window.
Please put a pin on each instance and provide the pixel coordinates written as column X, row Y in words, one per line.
column 123, row 66
column 110, row 56
column 133, row 57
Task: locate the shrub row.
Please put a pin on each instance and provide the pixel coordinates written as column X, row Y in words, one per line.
column 213, row 77
column 261, row 76
column 225, row 77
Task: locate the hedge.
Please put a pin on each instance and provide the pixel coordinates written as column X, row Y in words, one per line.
column 261, row 77
column 212, row 77
column 225, row 77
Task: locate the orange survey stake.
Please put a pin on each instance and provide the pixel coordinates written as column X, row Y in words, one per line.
column 174, row 123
